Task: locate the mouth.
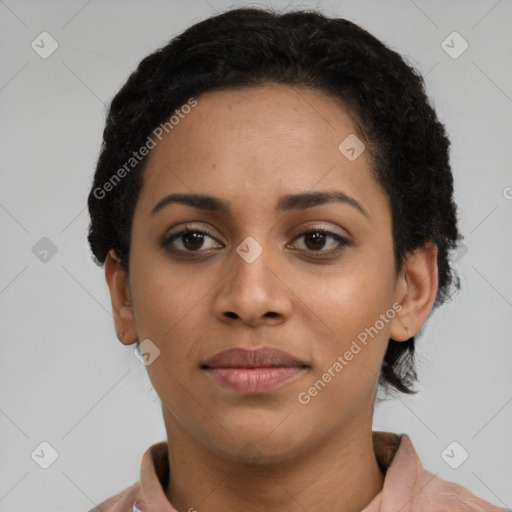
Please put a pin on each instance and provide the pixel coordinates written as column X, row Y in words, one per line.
column 253, row 371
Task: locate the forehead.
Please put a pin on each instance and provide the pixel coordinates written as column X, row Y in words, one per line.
column 283, row 117
column 256, row 144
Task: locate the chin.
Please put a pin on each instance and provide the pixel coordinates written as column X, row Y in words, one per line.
column 257, row 455
column 260, row 443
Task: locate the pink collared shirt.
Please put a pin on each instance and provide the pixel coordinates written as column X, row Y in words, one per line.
column 408, row 487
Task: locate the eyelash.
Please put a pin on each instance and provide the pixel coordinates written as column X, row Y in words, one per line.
column 342, row 241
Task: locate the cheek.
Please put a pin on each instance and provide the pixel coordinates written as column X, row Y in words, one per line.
column 165, row 295
column 169, row 317
column 353, row 298
column 351, row 306
column 348, row 359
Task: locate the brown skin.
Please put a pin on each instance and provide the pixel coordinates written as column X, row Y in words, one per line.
column 250, row 147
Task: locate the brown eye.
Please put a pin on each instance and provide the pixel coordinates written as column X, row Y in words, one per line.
column 193, row 240
column 315, row 240
column 187, row 240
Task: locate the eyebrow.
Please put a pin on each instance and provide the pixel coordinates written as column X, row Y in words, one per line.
column 286, row 203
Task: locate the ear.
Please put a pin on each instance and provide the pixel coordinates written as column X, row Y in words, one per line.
column 117, row 280
column 416, row 291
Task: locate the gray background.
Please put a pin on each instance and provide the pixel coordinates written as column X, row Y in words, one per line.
column 66, row 379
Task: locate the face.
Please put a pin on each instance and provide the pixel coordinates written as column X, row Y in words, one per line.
column 315, row 279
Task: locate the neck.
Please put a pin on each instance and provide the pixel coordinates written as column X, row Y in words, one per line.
column 341, row 473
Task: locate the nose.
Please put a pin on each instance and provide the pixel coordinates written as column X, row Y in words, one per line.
column 253, row 292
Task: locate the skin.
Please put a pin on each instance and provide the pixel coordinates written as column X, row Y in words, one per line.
column 229, row 450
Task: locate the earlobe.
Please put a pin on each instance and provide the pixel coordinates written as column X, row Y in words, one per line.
column 416, row 291
column 122, row 308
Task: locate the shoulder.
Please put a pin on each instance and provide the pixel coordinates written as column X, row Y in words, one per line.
column 154, row 475
column 121, row 502
column 443, row 495
column 408, row 486
column 430, row 492
column 446, row 496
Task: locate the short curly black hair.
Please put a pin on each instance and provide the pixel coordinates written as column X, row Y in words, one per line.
column 248, row 47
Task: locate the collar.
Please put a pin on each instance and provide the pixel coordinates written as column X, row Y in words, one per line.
column 407, row 485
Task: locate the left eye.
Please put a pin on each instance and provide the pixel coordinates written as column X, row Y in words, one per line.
column 315, row 240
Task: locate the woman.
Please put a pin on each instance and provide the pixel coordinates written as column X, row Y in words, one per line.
column 273, row 205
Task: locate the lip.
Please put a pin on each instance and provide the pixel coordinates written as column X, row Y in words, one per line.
column 262, row 357
column 253, row 370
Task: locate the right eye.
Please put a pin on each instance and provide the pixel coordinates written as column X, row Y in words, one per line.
column 190, row 240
